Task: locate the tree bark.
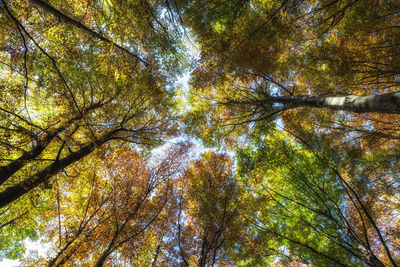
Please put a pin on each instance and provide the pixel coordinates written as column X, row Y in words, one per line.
column 385, row 103
column 100, row 262
column 12, row 193
column 8, row 170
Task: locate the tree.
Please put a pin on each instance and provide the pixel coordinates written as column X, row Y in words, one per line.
column 209, row 222
column 304, row 204
column 111, row 212
column 302, row 96
column 261, row 59
column 308, row 68
column 71, row 86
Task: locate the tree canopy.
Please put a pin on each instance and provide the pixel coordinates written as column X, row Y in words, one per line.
column 282, row 149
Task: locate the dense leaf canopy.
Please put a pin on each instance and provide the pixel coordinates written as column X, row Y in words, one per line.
column 282, row 149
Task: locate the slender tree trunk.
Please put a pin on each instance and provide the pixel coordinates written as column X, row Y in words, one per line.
column 385, row 103
column 204, row 250
column 103, row 257
column 100, row 262
column 54, row 260
column 375, row 261
column 50, row 9
column 155, row 257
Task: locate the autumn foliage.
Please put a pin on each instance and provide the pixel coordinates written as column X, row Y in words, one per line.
column 281, row 150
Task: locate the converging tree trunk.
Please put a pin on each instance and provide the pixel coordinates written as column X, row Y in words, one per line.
column 14, row 192
column 254, row 106
column 385, row 103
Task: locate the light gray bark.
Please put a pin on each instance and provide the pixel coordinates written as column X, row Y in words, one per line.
column 384, row 103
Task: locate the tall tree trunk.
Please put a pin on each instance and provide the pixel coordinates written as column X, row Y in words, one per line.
column 155, row 257
column 100, row 262
column 54, row 260
column 385, row 103
column 8, row 170
column 16, row 191
column 103, row 257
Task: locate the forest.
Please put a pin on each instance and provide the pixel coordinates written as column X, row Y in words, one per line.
column 200, row 132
